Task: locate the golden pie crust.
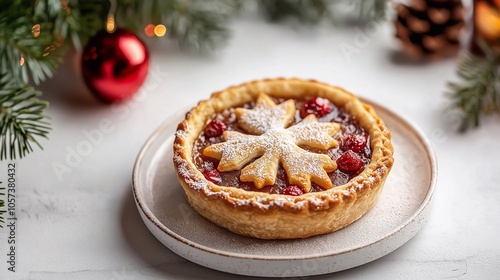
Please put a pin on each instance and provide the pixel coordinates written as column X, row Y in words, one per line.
column 276, row 216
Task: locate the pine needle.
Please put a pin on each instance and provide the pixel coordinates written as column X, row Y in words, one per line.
column 22, row 122
column 307, row 11
column 372, row 9
column 314, row 11
column 476, row 92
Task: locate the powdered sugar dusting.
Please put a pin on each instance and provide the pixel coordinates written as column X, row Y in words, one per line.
column 315, row 201
column 261, row 119
column 261, row 202
column 266, row 115
column 181, row 133
column 277, row 145
column 306, row 133
column 188, row 174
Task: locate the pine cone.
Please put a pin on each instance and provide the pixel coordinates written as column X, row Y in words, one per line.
column 430, row 28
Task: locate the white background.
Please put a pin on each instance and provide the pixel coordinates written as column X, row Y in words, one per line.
column 83, row 224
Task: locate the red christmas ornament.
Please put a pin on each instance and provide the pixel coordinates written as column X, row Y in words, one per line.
column 115, row 65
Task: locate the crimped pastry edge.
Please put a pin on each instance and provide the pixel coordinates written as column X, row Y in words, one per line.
column 275, row 216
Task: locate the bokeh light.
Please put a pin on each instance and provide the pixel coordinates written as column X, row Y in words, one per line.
column 149, row 30
column 36, row 30
column 160, row 30
column 110, row 24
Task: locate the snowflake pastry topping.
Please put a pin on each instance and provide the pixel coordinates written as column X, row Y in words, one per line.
column 271, row 143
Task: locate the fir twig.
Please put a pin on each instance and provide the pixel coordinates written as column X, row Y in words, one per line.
column 477, row 92
column 78, row 20
column 22, row 120
column 372, row 9
column 308, row 11
column 314, row 11
column 31, row 48
column 25, row 39
column 32, row 43
column 198, row 25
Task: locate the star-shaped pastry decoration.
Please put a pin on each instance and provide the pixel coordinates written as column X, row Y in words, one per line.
column 266, row 115
column 271, row 143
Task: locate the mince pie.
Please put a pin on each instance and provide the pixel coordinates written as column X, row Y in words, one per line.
column 282, row 158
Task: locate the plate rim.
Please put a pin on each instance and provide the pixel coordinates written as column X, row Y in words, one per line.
column 422, row 139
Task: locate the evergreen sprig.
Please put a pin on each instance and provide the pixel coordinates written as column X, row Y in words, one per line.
column 372, row 9
column 198, row 25
column 31, row 47
column 22, row 120
column 308, row 11
column 314, row 11
column 477, row 91
column 20, row 50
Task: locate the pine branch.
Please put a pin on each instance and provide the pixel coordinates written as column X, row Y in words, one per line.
column 198, row 25
column 21, row 40
column 372, row 9
column 33, row 34
column 79, row 20
column 307, row 11
column 22, row 121
column 477, row 92
column 33, row 39
column 314, row 11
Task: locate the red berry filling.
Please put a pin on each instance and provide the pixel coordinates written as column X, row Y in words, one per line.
column 318, row 106
column 352, row 138
column 293, row 190
column 212, row 175
column 215, row 128
column 354, row 142
column 349, row 162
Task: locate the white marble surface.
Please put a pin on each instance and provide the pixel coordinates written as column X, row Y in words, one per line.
column 83, row 224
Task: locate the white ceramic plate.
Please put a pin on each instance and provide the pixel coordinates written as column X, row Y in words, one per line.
column 399, row 214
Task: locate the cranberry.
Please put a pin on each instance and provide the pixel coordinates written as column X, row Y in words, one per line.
column 318, row 106
column 349, row 162
column 215, row 128
column 212, row 175
column 354, row 142
column 293, row 190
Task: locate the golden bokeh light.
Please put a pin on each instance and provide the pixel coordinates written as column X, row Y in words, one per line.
column 150, row 30
column 21, row 61
column 160, row 30
column 36, row 30
column 110, row 24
